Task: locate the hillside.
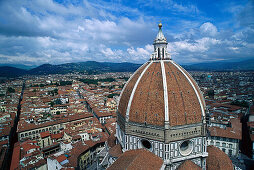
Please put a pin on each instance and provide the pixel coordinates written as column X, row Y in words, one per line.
column 223, row 66
column 88, row 67
column 93, row 67
column 7, row 71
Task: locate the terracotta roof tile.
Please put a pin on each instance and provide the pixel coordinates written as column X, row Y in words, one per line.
column 15, row 156
column 149, row 93
column 252, row 137
column 61, row 158
column 127, row 91
column 111, row 140
column 184, row 107
column 45, row 134
column 139, row 159
column 217, row 159
column 116, row 151
column 185, row 100
column 28, row 147
column 56, row 136
column 189, row 165
column 226, row 133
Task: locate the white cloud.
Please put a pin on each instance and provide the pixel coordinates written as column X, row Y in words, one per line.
column 208, row 29
column 140, row 53
column 47, row 31
column 199, row 45
column 107, row 52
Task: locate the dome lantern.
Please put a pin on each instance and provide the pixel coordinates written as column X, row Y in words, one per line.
column 160, row 46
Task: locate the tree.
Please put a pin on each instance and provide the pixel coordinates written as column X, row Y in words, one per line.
column 210, row 93
column 242, row 103
column 64, row 83
column 10, row 90
column 112, row 95
column 55, row 91
column 58, row 112
column 52, row 103
column 58, row 101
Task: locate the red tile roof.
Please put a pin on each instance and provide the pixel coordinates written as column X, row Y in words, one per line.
column 189, row 165
column 26, row 127
column 185, row 100
column 217, row 159
column 61, row 158
column 234, row 133
column 140, row 159
column 226, row 133
column 5, row 142
column 56, row 136
column 252, row 137
column 28, row 147
column 116, row 151
column 45, row 134
column 15, row 156
column 112, row 140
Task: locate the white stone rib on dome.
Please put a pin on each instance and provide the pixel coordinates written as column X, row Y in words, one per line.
column 165, row 90
column 199, row 99
column 134, row 90
column 128, row 82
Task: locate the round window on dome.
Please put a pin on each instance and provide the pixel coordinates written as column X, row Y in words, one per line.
column 186, row 147
column 146, row 144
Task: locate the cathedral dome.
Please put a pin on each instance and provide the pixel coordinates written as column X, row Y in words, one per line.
column 162, row 109
column 161, row 91
column 217, row 159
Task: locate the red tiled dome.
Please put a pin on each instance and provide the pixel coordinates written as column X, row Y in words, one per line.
column 162, row 91
column 217, row 159
column 189, row 165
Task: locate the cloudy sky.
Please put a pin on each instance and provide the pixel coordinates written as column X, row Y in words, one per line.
column 34, row 32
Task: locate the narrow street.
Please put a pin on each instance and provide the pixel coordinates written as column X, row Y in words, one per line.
column 13, row 138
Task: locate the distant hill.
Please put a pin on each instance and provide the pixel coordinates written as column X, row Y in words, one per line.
column 21, row 66
column 223, row 66
column 92, row 67
column 6, row 71
column 89, row 67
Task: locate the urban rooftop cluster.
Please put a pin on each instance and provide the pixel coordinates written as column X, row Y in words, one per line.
column 67, row 121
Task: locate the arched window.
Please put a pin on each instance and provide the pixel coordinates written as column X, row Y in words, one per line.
column 163, row 53
column 159, row 53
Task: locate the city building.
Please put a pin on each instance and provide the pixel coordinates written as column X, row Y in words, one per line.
column 227, row 139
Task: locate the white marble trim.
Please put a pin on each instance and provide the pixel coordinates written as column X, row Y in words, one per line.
column 133, row 91
column 128, row 83
column 200, row 102
column 165, row 91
